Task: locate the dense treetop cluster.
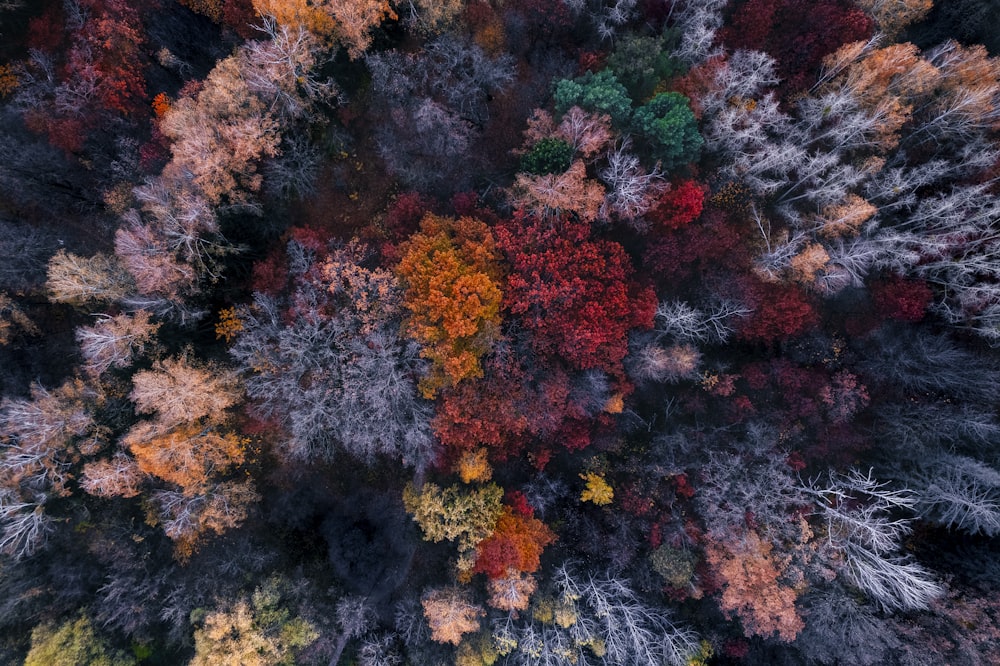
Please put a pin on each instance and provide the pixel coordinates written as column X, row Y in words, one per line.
column 499, row 332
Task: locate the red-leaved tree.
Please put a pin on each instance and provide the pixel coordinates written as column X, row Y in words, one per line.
column 797, row 34
column 516, row 544
column 574, row 292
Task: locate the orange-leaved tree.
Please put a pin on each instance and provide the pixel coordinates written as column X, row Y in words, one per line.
column 752, row 590
column 450, row 613
column 185, row 446
column 516, row 545
column 452, row 276
column 349, row 21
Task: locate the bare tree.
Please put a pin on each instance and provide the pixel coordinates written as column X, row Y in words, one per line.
column 960, row 493
column 332, row 386
column 860, row 526
column 114, row 341
column 633, row 190
column 697, row 24
column 24, row 526
column 685, row 323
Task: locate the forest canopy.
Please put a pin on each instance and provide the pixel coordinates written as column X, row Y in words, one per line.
column 499, row 332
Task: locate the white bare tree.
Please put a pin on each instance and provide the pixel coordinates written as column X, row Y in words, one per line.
column 861, row 526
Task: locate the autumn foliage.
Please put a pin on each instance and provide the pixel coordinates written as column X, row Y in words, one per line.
column 349, row 22
column 574, row 292
column 677, row 321
column 678, row 206
column 516, row 544
column 797, row 35
column 750, row 574
column 452, row 277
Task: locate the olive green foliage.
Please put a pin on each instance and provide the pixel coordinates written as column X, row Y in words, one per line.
column 259, row 631
column 669, row 129
column 601, row 93
column 676, row 566
column 549, row 155
column 73, row 643
column 640, row 63
column 460, row 514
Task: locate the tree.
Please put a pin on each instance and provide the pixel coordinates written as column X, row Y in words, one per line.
column 650, row 361
column 283, row 70
column 678, row 205
column 315, row 17
column 560, row 193
column 349, row 22
column 443, row 93
column 219, row 135
column 572, row 291
column 515, row 545
column 959, row 493
column 549, row 155
column 43, row 434
column 153, row 269
column 451, row 275
column 492, row 412
column 512, row 592
column 114, row 341
column 856, row 509
column 118, row 476
column 191, row 457
column 633, row 190
column 751, row 589
column 79, row 280
column 450, row 614
column 179, row 392
column 901, row 299
column 25, row 525
column 238, row 14
column 598, row 93
column 871, row 91
column 328, row 361
column 669, row 125
column 597, row 491
column 73, row 642
column 256, row 630
column 597, row 615
column 684, row 323
column 779, row 312
column 698, row 23
column 187, row 518
column 293, row 174
column 356, row 18
column 453, row 513
column 329, row 386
